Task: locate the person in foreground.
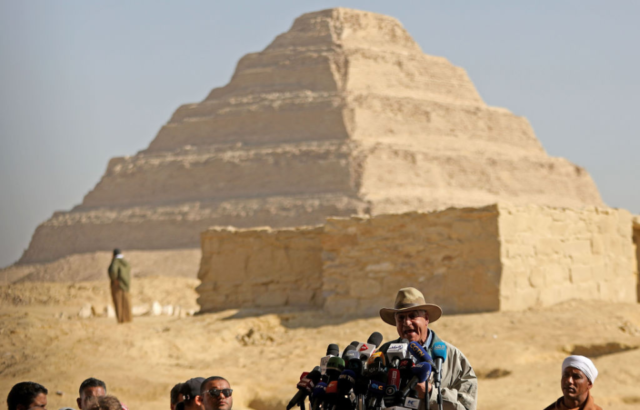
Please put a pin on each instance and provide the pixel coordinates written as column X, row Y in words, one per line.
column 190, row 391
column 89, row 389
column 120, row 275
column 215, row 394
column 411, row 316
column 175, row 396
column 27, row 396
column 578, row 375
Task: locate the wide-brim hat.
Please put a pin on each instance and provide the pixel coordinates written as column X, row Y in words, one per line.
column 409, row 299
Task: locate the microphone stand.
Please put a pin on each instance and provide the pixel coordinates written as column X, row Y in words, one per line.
column 439, row 396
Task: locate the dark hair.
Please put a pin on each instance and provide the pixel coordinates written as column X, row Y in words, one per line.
column 116, row 252
column 175, row 391
column 210, row 379
column 92, row 382
column 24, row 393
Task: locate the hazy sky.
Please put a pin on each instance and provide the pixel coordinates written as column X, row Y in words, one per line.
column 84, row 81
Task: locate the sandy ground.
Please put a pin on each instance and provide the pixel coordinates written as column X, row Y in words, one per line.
column 517, row 354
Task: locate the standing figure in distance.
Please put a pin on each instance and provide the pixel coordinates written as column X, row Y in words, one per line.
column 120, row 275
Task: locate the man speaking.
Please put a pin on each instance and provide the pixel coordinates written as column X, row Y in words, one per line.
column 411, row 316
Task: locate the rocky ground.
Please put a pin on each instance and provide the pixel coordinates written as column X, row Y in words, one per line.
column 516, row 354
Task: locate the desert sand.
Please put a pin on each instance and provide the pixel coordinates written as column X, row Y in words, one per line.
column 516, row 354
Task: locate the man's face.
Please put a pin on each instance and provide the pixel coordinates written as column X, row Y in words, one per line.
column 222, row 402
column 88, row 393
column 412, row 325
column 39, row 403
column 575, row 385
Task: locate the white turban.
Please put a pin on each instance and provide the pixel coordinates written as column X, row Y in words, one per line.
column 581, row 363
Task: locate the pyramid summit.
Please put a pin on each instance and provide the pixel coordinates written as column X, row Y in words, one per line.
column 343, row 114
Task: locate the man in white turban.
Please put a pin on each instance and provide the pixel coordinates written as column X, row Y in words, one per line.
column 578, row 375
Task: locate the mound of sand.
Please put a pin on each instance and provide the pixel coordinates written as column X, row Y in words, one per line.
column 516, row 354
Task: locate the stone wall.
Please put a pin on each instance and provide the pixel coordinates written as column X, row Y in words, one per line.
column 550, row 255
column 497, row 257
column 451, row 256
column 260, row 268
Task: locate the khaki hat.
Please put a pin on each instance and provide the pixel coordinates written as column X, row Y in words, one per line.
column 409, row 299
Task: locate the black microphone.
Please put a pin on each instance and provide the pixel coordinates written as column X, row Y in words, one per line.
column 305, row 387
column 332, row 351
column 406, row 374
column 346, row 352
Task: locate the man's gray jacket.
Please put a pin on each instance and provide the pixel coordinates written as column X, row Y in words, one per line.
column 459, row 381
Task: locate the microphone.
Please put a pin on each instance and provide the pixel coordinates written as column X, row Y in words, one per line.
column 440, row 354
column 352, row 356
column 347, row 351
column 397, row 352
column 305, row 387
column 393, row 385
column 332, row 350
column 405, row 371
column 419, row 353
column 335, row 366
column 376, row 367
column 376, row 393
column 346, row 381
column 421, row 372
column 331, row 395
column 366, row 349
column 318, row 395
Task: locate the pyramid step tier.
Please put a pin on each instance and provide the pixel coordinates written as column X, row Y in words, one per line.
column 177, row 226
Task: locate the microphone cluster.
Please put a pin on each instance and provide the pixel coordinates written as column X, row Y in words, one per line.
column 363, row 378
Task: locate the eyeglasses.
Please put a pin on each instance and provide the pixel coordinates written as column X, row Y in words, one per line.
column 413, row 315
column 216, row 392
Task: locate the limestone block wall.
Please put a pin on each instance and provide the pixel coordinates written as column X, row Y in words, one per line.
column 451, row 256
column 260, row 268
column 550, row 255
column 496, row 257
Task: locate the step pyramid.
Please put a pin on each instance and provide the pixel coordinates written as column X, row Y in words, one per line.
column 343, row 114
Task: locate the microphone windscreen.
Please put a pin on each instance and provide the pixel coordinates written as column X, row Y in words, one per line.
column 440, row 351
column 375, row 339
column 333, row 350
column 346, row 381
column 347, row 350
column 335, row 363
column 319, row 390
column 421, row 370
column 350, row 355
column 418, row 352
column 315, row 375
column 355, row 343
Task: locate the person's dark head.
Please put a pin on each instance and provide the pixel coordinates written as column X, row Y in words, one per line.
column 216, row 394
column 176, row 396
column 103, row 403
column 190, row 391
column 116, row 252
column 27, row 395
column 90, row 388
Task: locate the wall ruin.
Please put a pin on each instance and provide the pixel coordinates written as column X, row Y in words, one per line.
column 497, row 257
